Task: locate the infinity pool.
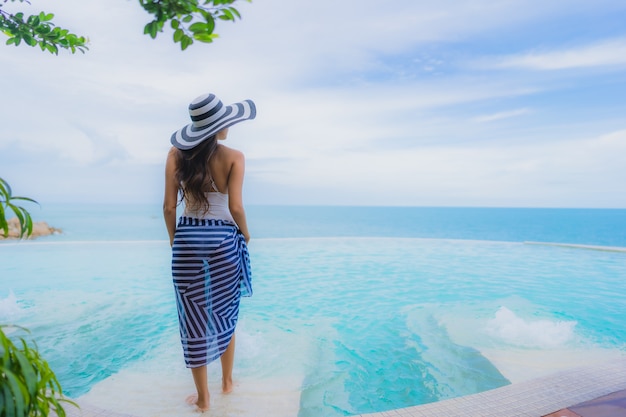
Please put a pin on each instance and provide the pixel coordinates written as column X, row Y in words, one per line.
column 336, row 326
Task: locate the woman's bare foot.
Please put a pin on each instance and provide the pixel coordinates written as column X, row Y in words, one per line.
column 227, row 385
column 200, row 407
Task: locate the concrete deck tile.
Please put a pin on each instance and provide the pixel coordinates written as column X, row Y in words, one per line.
column 563, row 394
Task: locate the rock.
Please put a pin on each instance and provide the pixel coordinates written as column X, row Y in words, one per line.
column 39, row 229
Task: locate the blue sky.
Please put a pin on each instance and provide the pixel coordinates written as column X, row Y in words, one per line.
column 459, row 103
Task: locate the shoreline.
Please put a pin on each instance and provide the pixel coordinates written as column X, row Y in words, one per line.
column 40, row 229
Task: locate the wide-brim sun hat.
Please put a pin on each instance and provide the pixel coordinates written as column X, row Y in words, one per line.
column 208, row 116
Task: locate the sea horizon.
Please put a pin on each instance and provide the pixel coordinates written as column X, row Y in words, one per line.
column 140, row 221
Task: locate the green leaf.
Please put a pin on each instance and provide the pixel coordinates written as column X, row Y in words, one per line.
column 234, row 12
column 25, row 220
column 15, row 391
column 52, row 49
column 24, row 199
column 46, row 17
column 29, row 376
column 185, row 41
column 29, row 39
column 4, row 225
column 178, row 34
column 29, row 227
column 5, row 189
column 33, row 20
column 205, row 37
column 227, row 15
column 199, row 27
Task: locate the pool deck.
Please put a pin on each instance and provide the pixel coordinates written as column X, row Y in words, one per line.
column 587, row 391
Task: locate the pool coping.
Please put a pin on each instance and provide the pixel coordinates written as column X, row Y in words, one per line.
column 533, row 398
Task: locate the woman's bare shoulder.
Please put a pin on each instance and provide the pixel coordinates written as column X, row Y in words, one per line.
column 231, row 154
column 172, row 158
column 173, row 152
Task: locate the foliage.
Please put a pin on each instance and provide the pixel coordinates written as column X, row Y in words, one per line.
column 28, row 387
column 39, row 30
column 7, row 200
column 189, row 19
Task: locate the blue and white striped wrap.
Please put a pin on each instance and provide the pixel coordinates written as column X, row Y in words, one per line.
column 211, row 272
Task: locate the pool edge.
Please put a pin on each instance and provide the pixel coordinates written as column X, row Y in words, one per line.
column 533, row 398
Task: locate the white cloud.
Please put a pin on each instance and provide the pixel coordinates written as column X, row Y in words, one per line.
column 608, row 53
column 531, row 174
column 501, row 115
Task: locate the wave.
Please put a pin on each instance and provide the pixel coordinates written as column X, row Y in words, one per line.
column 9, row 308
column 510, row 329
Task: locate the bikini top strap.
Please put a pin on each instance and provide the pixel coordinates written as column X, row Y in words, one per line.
column 213, row 186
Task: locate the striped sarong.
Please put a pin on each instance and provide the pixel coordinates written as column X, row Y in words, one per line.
column 211, row 272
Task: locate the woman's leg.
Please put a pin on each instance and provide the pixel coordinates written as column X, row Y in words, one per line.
column 200, row 378
column 228, row 359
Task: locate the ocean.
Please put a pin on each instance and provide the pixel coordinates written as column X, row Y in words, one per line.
column 604, row 227
column 355, row 310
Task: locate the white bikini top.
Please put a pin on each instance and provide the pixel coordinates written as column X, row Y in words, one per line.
column 218, row 207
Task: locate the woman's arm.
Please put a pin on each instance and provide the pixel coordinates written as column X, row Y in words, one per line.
column 235, row 193
column 170, row 197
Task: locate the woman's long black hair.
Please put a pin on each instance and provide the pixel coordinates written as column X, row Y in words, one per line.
column 193, row 173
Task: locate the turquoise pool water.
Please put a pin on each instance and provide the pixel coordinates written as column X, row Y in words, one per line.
column 337, row 325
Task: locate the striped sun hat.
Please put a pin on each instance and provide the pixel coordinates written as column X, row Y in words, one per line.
column 209, row 116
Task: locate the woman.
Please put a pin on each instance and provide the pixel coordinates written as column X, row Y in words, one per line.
column 210, row 263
